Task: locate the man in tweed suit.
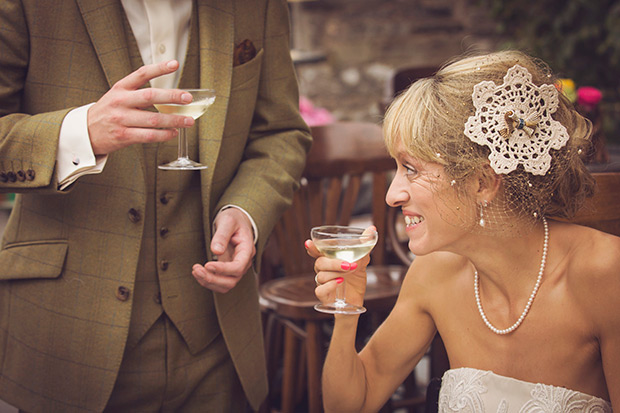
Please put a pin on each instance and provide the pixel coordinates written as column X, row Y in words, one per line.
column 98, row 306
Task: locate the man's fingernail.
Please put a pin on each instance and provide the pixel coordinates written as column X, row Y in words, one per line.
column 188, row 121
column 171, row 64
column 186, row 97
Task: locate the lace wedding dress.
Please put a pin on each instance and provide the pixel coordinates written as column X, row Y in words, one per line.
column 476, row 391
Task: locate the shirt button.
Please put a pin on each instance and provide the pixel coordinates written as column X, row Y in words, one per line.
column 163, row 231
column 134, row 216
column 162, row 48
column 122, row 293
column 163, row 264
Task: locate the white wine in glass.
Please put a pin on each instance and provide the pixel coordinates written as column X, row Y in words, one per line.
column 202, row 99
column 344, row 243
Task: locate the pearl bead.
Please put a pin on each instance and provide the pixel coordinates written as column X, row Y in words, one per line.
column 541, row 271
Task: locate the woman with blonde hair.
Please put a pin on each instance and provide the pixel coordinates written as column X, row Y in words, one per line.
column 488, row 155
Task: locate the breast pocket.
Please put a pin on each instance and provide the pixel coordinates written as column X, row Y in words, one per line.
column 246, row 76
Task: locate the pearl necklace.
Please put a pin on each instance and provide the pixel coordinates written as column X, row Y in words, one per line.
column 529, row 301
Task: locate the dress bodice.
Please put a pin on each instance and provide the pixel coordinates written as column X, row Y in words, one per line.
column 478, row 391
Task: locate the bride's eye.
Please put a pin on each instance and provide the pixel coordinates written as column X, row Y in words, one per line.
column 410, row 171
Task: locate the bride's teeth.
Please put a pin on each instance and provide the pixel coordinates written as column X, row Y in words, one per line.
column 413, row 220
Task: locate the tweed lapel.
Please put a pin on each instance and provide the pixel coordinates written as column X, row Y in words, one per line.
column 104, row 23
column 215, row 22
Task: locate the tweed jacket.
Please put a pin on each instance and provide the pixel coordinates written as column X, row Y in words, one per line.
column 65, row 254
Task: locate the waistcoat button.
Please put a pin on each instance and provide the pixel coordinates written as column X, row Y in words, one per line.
column 163, row 264
column 163, row 231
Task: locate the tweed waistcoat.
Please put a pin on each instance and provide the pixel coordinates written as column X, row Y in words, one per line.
column 173, row 238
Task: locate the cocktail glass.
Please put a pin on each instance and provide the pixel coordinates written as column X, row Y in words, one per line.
column 203, row 98
column 347, row 244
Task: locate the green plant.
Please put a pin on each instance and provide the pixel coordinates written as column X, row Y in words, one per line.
column 580, row 39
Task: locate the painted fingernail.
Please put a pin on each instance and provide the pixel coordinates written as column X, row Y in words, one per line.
column 339, row 280
column 345, row 265
column 307, row 243
column 353, row 265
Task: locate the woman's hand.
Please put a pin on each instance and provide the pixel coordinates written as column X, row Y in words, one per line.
column 331, row 272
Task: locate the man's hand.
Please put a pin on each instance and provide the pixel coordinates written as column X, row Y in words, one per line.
column 118, row 120
column 233, row 244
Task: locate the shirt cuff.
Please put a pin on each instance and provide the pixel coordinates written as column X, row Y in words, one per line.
column 254, row 227
column 75, row 156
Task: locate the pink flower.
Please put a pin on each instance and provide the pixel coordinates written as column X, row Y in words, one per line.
column 312, row 115
column 588, row 97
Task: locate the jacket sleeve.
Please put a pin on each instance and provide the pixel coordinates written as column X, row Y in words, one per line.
column 28, row 142
column 279, row 139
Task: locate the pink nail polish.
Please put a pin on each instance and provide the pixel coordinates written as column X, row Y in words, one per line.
column 353, row 265
column 345, row 265
column 307, row 243
column 339, row 280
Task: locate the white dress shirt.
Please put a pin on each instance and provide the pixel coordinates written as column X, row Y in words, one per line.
column 161, row 29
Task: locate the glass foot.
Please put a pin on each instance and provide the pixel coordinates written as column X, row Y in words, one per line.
column 339, row 308
column 183, row 164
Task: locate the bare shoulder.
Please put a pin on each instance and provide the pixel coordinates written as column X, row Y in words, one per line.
column 593, row 268
column 429, row 275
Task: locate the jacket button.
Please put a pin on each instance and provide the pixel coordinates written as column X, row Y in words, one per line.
column 134, row 216
column 3, row 177
column 30, row 174
column 21, row 175
column 11, row 175
column 122, row 293
column 163, row 264
column 163, row 231
column 164, row 198
column 157, row 298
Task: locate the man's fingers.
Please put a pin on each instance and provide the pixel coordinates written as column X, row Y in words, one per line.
column 143, row 75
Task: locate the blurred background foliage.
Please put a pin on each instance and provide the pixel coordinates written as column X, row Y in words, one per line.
column 580, row 39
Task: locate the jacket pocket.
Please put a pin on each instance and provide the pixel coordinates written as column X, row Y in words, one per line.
column 34, row 259
column 243, row 75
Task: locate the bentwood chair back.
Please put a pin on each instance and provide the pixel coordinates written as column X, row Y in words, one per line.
column 346, row 175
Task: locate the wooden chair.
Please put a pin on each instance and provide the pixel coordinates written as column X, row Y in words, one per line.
column 602, row 211
column 347, row 160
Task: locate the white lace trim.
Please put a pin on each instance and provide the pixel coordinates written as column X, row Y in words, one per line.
column 470, row 390
column 514, row 121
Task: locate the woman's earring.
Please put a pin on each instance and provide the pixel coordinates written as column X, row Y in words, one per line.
column 483, row 205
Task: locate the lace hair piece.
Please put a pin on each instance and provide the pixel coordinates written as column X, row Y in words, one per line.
column 514, row 121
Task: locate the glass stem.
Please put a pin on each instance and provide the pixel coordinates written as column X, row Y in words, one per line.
column 340, row 292
column 183, row 151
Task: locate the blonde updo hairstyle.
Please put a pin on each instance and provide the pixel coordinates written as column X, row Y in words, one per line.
column 429, row 119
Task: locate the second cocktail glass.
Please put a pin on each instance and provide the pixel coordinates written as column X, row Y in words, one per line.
column 203, row 98
column 347, row 244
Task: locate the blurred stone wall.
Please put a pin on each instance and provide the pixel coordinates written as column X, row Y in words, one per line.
column 363, row 43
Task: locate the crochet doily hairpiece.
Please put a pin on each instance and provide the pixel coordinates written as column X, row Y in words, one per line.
column 514, row 121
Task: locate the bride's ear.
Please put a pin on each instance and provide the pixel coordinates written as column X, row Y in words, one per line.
column 489, row 184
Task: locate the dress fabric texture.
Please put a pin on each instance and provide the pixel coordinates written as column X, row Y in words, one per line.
column 472, row 390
